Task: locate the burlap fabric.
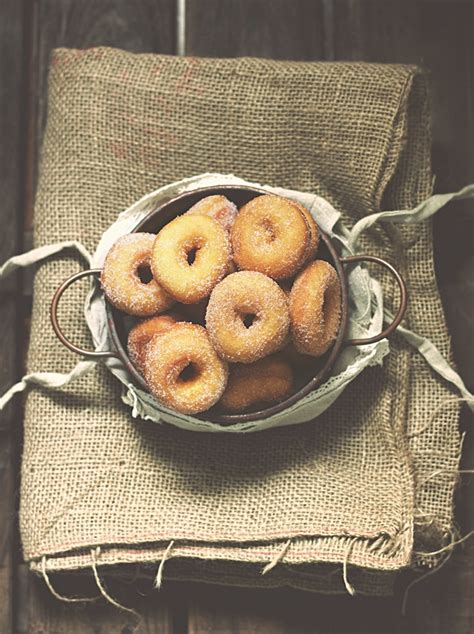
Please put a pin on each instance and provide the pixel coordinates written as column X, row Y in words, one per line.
column 349, row 487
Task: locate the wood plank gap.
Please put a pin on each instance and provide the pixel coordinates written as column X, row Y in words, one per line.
column 328, row 30
column 181, row 27
column 24, row 242
column 30, row 83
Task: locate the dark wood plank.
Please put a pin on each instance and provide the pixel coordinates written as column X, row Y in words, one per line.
column 11, row 113
column 438, row 36
column 278, row 28
column 157, row 611
column 139, row 26
column 285, row 611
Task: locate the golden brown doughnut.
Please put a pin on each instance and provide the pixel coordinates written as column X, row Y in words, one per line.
column 128, row 259
column 271, row 235
column 183, row 371
column 313, row 227
column 266, row 381
column 143, row 332
column 315, row 308
column 189, row 256
column 217, row 207
column 247, row 317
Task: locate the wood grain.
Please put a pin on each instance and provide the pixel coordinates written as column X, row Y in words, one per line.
column 285, row 611
column 263, row 28
column 47, row 615
column 11, row 112
column 438, row 36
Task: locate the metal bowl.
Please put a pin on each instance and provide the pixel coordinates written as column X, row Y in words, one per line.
column 119, row 323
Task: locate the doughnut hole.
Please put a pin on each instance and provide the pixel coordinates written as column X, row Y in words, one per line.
column 248, row 319
column 268, row 231
column 189, row 373
column 144, row 272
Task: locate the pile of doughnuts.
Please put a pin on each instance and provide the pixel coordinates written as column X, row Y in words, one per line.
column 231, row 302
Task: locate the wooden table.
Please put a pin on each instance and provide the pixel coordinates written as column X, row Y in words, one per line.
column 436, row 34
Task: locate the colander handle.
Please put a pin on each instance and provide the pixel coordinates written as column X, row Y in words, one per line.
column 403, row 297
column 89, row 354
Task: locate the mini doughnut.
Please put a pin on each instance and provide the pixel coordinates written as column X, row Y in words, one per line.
column 217, row 207
column 271, row 235
column 143, row 332
column 266, row 381
column 189, row 256
column 247, row 317
column 183, row 371
column 315, row 308
column 128, row 258
column 313, row 227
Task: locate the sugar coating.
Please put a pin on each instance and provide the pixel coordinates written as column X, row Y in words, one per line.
column 266, row 381
column 315, row 308
column 189, row 283
column 120, row 280
column 247, row 293
column 271, row 235
column 169, row 354
column 143, row 332
column 314, row 233
column 218, row 207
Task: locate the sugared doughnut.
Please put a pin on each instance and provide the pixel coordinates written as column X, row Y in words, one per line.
column 217, row 207
column 127, row 280
column 183, row 371
column 143, row 332
column 271, row 235
column 189, row 256
column 266, row 381
column 314, row 237
column 315, row 308
column 247, row 317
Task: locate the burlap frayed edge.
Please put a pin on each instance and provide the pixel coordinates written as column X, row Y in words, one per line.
column 322, row 578
column 391, row 552
column 185, row 564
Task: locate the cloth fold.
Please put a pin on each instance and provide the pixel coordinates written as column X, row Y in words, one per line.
column 120, row 125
